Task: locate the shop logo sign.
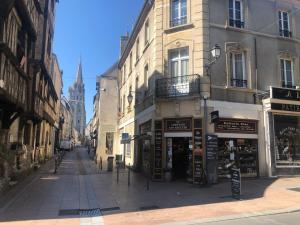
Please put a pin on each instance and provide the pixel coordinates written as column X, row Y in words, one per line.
column 285, row 94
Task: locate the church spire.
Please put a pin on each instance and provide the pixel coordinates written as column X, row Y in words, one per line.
column 79, row 73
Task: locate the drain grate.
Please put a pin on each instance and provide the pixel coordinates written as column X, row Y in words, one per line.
column 151, row 207
column 110, row 209
column 90, row 212
column 68, row 212
column 297, row 189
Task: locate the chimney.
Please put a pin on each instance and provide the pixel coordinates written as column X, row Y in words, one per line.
column 124, row 41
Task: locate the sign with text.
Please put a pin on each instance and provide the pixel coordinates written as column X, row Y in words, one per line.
column 214, row 116
column 198, row 168
column 212, row 158
column 174, row 125
column 285, row 94
column 157, row 173
column 236, row 189
column 285, row 107
column 236, row 126
column 125, row 138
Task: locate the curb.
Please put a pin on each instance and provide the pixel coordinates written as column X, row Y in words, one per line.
column 236, row 217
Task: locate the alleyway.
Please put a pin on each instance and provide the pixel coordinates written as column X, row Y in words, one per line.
column 79, row 194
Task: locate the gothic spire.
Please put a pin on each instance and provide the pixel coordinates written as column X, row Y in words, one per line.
column 79, row 74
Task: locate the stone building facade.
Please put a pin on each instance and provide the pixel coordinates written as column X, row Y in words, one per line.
column 176, row 84
column 77, row 102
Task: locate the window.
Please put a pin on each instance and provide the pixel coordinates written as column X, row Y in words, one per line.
column 179, row 62
column 136, row 90
column 146, row 75
column 137, row 49
column 123, row 106
column 284, row 24
column 238, row 70
column 236, row 13
column 130, row 63
column 287, row 79
column 178, row 13
column 147, row 32
column 124, row 75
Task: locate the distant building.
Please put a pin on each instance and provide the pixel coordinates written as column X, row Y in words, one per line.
column 77, row 102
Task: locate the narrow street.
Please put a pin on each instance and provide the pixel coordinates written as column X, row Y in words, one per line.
column 79, row 194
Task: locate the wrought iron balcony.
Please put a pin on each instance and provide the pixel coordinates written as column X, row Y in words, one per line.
column 236, row 23
column 180, row 86
column 178, row 21
column 239, row 83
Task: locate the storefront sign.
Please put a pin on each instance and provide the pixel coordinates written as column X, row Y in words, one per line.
column 158, row 151
column 174, row 125
column 285, row 94
column 212, row 158
column 285, row 107
column 236, row 126
column 198, row 168
column 125, row 138
column 214, row 116
column 236, row 183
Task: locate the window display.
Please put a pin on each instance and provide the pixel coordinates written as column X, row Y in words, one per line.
column 287, row 140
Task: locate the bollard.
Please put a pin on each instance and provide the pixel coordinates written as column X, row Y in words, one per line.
column 118, row 173
column 129, row 175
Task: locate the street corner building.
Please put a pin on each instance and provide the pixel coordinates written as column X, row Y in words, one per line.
column 207, row 84
column 30, row 87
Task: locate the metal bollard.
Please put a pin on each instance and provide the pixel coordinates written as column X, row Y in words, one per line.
column 129, row 175
column 118, row 173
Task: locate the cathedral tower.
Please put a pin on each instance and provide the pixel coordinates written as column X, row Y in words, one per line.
column 77, row 102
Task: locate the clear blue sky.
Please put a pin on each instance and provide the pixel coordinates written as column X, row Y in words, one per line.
column 91, row 29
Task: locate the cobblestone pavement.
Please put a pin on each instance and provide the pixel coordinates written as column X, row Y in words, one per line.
column 80, row 194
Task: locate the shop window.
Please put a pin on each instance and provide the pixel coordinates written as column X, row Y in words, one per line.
column 287, row 78
column 236, row 14
column 238, row 69
column 287, row 140
column 284, row 24
column 178, row 13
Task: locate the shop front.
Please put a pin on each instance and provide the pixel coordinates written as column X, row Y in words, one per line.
column 176, row 140
column 282, row 120
column 237, row 146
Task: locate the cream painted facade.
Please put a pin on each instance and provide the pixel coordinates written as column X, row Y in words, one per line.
column 256, row 48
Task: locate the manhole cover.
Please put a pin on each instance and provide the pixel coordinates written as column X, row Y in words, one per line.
column 295, row 189
column 68, row 212
column 110, row 209
column 151, row 207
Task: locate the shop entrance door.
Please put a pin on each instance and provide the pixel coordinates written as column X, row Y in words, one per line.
column 180, row 157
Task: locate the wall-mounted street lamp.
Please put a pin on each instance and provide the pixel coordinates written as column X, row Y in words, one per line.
column 130, row 96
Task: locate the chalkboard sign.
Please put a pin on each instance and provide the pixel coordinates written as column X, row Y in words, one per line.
column 212, row 158
column 236, row 183
column 158, row 151
column 197, row 168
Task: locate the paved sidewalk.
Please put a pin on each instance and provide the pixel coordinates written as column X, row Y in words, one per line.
column 86, row 197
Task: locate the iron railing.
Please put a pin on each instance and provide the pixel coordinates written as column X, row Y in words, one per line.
column 178, row 21
column 171, row 87
column 239, row 83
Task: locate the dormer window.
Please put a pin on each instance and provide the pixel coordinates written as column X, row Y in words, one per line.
column 284, row 24
column 236, row 14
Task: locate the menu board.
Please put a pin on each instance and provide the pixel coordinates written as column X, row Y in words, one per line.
column 212, row 158
column 198, row 151
column 197, row 168
column 158, row 151
column 236, row 183
column 236, row 126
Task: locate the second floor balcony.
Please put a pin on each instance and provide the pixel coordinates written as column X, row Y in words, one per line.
column 181, row 86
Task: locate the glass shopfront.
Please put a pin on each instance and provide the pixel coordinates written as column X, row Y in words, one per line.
column 287, row 140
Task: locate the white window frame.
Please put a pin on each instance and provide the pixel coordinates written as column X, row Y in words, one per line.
column 284, row 69
column 281, row 26
column 179, row 12
column 179, row 59
column 147, row 33
column 233, row 72
column 234, row 11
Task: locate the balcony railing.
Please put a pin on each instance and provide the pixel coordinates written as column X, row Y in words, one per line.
column 236, row 23
column 178, row 21
column 180, row 86
column 239, row 83
column 285, row 33
column 13, row 83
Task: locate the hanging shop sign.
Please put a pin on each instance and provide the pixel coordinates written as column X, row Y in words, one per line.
column 285, row 94
column 125, row 138
column 285, row 107
column 236, row 189
column 212, row 158
column 236, row 126
column 157, row 173
column 214, row 116
column 178, row 125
